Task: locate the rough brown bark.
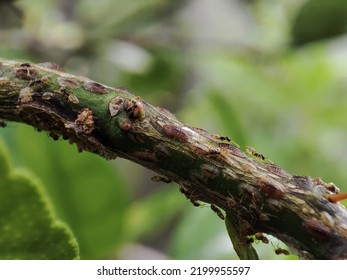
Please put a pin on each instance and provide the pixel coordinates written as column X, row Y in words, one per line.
column 256, row 196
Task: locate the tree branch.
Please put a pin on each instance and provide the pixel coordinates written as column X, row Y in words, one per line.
column 257, row 196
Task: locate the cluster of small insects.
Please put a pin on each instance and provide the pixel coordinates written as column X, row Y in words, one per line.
column 261, row 237
column 334, row 195
column 128, row 111
column 36, row 86
column 134, row 108
column 66, row 85
column 85, row 121
column 280, row 251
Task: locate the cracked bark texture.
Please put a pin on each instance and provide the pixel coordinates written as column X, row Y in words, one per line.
column 256, row 196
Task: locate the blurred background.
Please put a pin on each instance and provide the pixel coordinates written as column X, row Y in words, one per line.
column 269, row 74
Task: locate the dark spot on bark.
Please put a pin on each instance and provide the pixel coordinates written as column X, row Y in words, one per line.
column 26, row 73
column 317, row 230
column 68, row 83
column 96, row 88
column 175, row 132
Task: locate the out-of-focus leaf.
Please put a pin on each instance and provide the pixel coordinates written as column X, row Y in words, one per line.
column 86, row 191
column 228, row 117
column 11, row 16
column 111, row 17
column 200, row 235
column 317, row 20
column 29, row 229
column 151, row 214
column 163, row 81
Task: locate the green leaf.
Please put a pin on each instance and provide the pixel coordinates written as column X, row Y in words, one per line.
column 28, row 227
column 307, row 26
column 86, row 190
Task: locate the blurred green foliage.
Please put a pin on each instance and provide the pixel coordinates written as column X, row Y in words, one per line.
column 29, row 230
column 225, row 66
column 307, row 25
